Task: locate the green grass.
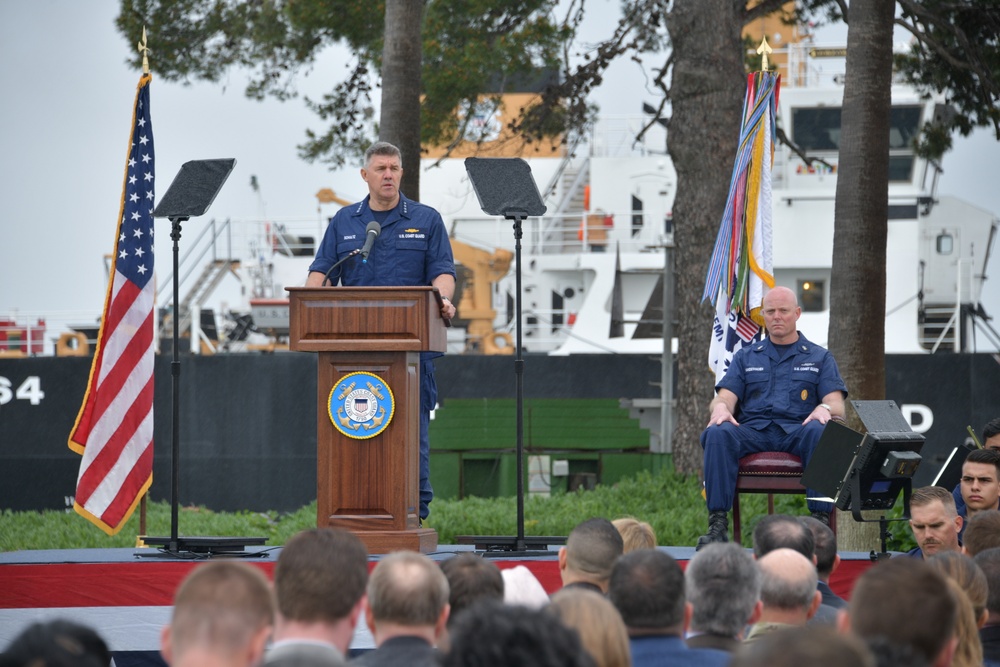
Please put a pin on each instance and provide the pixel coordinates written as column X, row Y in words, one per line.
column 670, row 502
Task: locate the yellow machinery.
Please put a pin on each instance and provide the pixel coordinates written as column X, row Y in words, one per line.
column 475, row 305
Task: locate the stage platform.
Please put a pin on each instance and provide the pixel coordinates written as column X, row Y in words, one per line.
column 126, row 594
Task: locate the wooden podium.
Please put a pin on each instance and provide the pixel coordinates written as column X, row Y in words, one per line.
column 369, row 484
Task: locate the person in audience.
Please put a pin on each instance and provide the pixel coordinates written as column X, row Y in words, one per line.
column 990, row 439
column 777, row 395
column 222, row 617
column 980, row 483
column 989, row 634
column 56, row 643
column 319, row 583
column 647, row 587
column 491, row 634
column 903, row 606
column 723, row 589
column 810, row 646
column 783, row 531
column 969, row 649
column 787, row 592
column 982, row 532
column 407, row 611
column 964, row 571
column 471, row 578
column 591, row 550
column 635, row 534
column 827, row 560
column 934, row 521
column 521, row 587
column 598, row 623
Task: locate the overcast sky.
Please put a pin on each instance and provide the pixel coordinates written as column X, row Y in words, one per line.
column 64, row 123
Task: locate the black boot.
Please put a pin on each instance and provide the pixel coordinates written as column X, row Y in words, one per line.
column 822, row 516
column 718, row 529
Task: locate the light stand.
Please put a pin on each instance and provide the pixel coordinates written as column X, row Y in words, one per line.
column 505, row 187
column 190, row 195
column 867, row 472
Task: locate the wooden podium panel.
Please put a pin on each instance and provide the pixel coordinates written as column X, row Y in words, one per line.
column 369, row 485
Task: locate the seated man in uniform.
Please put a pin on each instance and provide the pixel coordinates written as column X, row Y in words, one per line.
column 777, row 395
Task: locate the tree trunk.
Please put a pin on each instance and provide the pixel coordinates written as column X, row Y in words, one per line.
column 857, row 292
column 399, row 121
column 706, row 94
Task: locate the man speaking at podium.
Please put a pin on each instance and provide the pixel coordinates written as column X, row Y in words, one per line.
column 406, row 247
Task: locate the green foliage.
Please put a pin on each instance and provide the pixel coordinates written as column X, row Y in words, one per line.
column 670, row 502
column 469, row 45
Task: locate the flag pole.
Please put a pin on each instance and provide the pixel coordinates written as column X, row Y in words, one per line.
column 144, row 50
column 762, row 50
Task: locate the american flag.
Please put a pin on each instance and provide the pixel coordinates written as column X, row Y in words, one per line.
column 114, row 429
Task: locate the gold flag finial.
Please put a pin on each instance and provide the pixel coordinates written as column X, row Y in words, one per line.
column 763, row 50
column 144, row 50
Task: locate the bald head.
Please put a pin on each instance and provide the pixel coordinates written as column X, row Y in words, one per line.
column 788, row 581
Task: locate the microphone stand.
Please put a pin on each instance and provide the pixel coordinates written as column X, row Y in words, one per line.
column 326, row 276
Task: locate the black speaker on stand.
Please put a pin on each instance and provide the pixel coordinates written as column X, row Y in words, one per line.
column 192, row 192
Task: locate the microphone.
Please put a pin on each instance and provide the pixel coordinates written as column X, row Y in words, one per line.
column 371, row 233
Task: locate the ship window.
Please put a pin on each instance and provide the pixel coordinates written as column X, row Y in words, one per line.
column 945, row 244
column 812, row 295
column 818, row 128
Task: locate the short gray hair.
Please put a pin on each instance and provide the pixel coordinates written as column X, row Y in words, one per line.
column 381, row 148
column 723, row 586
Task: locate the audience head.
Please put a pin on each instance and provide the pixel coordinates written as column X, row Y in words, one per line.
column 812, row 645
column 781, row 531
column 904, row 602
column 982, row 532
column 723, row 588
column 598, row 623
column 934, row 520
column 407, row 595
column 471, row 578
column 991, row 434
column 521, row 587
column 647, row 587
column 981, row 480
column 989, row 563
column 57, row 643
column 964, row 571
column 825, row 546
column 590, row 552
column 321, row 576
column 222, row 608
column 492, row 634
column 969, row 649
column 635, row 534
column 788, row 585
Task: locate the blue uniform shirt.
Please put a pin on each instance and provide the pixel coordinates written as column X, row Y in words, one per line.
column 782, row 391
column 411, row 250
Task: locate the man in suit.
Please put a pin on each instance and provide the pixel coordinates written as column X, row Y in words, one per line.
column 320, row 583
column 787, row 591
column 827, row 560
column 647, row 587
column 407, row 611
column 223, row 615
column 723, row 589
column 935, row 522
column 783, row 531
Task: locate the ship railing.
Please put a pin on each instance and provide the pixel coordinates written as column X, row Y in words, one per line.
column 566, row 234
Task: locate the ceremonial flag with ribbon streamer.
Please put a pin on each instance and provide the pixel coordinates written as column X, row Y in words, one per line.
column 741, row 263
column 114, row 429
